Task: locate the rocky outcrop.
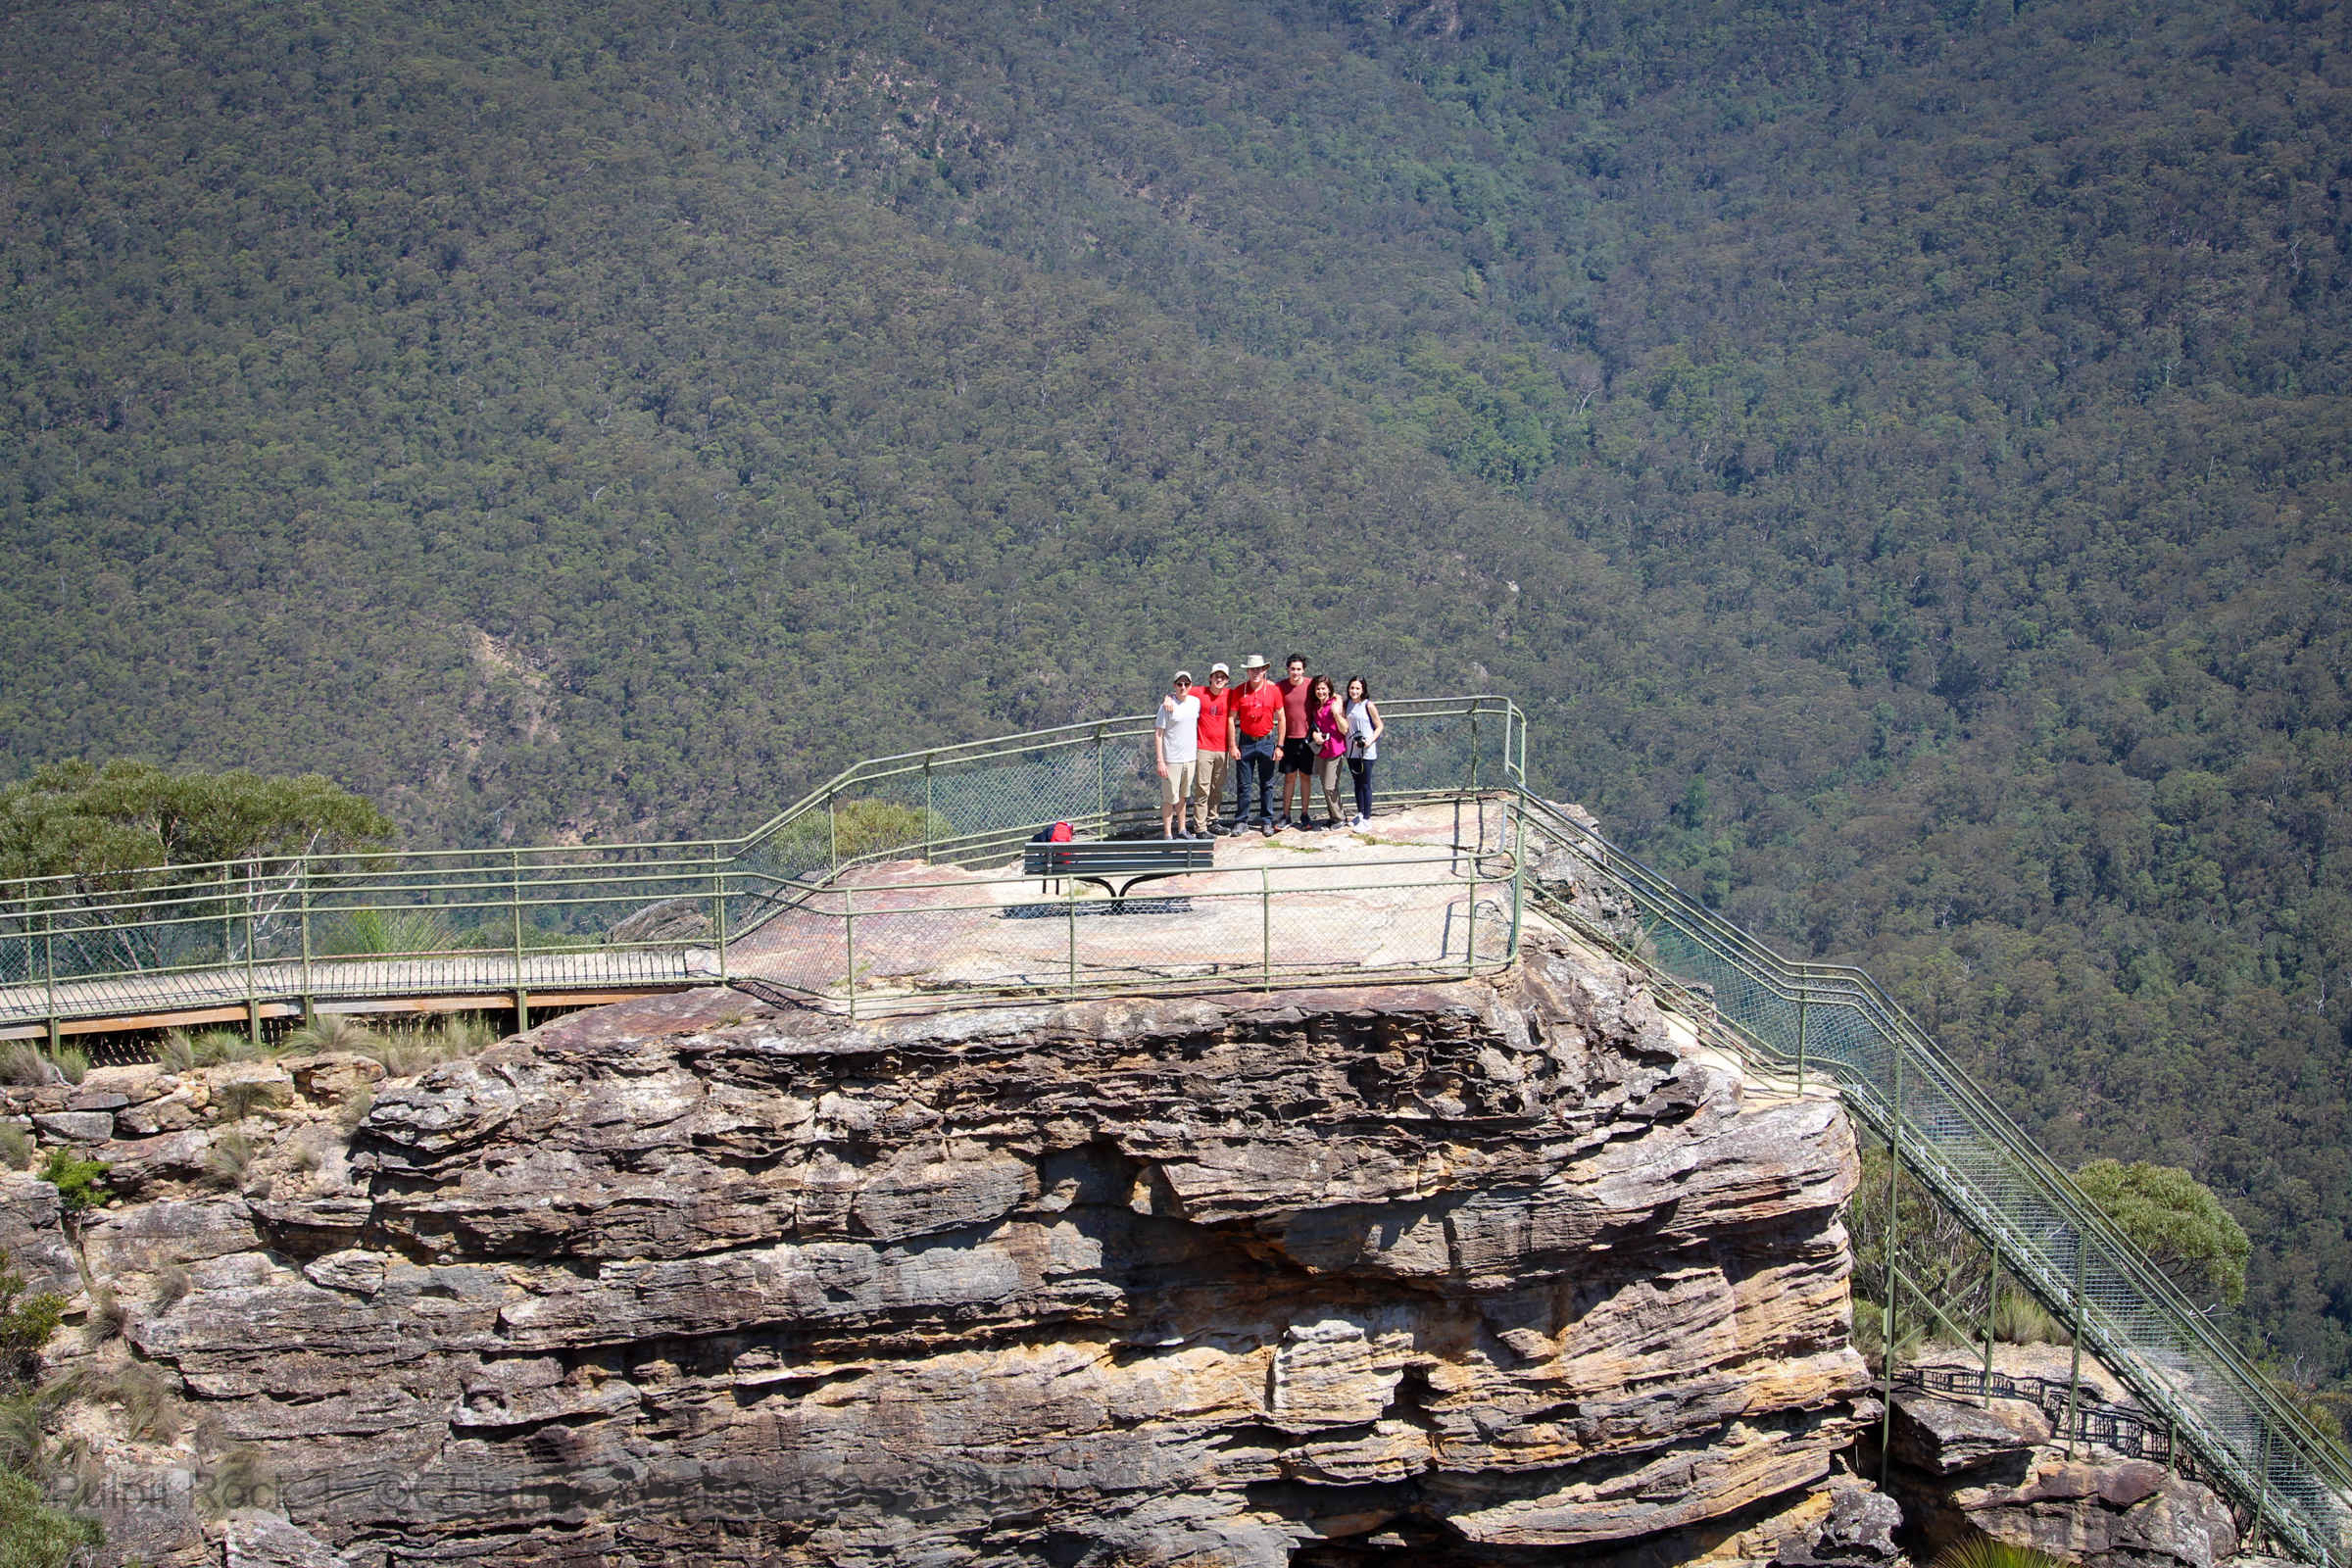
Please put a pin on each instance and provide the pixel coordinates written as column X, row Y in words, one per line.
column 1943, row 1437
column 2117, row 1512
column 1963, row 1469
column 1449, row 1272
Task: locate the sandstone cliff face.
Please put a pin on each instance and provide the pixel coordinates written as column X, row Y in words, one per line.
column 1471, row 1269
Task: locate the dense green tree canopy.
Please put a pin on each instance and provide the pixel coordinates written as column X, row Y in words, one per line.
column 2177, row 1221
column 93, row 824
column 1897, row 453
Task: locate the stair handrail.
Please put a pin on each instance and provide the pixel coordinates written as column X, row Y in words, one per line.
column 1803, row 981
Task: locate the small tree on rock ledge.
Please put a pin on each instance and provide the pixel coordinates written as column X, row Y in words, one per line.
column 2177, row 1221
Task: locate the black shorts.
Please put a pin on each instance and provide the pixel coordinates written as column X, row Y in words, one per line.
column 1298, row 757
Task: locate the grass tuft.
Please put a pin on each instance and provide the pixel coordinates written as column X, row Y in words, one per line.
column 230, row 1160
column 1982, row 1551
column 448, row 1038
column 333, row 1031
column 175, row 1051
column 237, row 1479
column 1870, row 1333
column 24, row 1064
column 212, row 1047
column 143, row 1391
column 172, row 1286
column 239, row 1097
column 2019, row 1319
column 107, row 1317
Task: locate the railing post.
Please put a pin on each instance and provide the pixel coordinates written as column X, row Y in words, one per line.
column 926, row 810
column 1470, row 925
column 49, row 972
column 1265, row 929
column 1474, row 748
column 1803, row 991
column 1101, row 783
column 1069, row 913
column 1518, row 867
column 252, row 994
column 1992, row 1302
column 2262, row 1488
column 24, row 888
column 1890, row 1327
column 310, row 990
column 849, row 950
column 718, row 906
column 833, row 836
column 515, row 908
column 2073, row 1375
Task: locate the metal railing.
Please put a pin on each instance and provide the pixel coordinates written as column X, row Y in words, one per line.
column 294, row 932
column 1833, row 1021
column 2124, row 1429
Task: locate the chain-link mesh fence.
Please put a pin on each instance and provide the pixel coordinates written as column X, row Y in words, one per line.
column 970, row 805
column 374, row 925
column 1836, row 1021
column 563, row 918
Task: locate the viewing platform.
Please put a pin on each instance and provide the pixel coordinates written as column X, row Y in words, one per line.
column 896, row 880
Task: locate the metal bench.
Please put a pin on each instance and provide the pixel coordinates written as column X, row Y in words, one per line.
column 1136, row 859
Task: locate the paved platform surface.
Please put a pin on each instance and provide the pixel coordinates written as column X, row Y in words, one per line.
column 1395, row 896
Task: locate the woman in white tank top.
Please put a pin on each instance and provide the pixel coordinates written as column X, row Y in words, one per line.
column 1364, row 745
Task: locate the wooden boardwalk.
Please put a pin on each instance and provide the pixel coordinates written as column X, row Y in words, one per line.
column 276, row 988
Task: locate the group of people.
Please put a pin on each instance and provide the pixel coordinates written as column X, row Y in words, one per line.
column 1299, row 728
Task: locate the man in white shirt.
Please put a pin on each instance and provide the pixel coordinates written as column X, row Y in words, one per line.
column 1176, row 752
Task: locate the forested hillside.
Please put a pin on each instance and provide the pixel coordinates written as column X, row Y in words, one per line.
column 1896, row 454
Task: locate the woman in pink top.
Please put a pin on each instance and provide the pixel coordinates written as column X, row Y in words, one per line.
column 1326, row 735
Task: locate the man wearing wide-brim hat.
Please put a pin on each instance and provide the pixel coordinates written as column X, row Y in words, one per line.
column 1258, row 725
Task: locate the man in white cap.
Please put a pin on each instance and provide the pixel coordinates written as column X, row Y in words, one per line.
column 1215, row 761
column 1175, row 745
column 1256, row 743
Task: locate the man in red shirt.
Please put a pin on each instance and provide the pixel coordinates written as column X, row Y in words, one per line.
column 1298, row 757
column 1216, row 749
column 1258, row 736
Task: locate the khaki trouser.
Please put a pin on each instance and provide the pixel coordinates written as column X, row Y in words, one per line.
column 1327, row 774
column 1209, row 786
column 1177, row 784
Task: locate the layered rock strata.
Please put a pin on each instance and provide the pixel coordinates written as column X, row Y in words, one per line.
column 1479, row 1271
column 1964, row 1469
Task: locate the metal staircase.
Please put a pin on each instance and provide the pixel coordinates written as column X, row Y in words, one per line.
column 2292, row 1482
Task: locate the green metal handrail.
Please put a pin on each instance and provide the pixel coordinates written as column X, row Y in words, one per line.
column 2250, row 1441
column 277, row 930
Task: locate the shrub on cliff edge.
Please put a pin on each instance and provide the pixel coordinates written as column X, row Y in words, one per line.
column 33, row 1534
